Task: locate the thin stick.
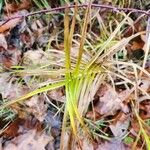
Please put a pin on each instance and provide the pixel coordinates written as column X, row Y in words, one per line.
column 116, row 9
column 108, row 7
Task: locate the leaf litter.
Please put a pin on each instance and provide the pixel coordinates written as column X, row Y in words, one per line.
column 29, row 45
column 30, row 141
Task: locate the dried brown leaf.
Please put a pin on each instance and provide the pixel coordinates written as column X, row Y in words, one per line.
column 145, row 110
column 31, row 140
column 120, row 127
column 13, row 129
column 21, row 125
column 137, row 27
column 4, row 26
column 10, row 90
column 116, row 145
column 13, row 7
column 137, row 45
column 37, row 107
column 110, row 101
column 57, row 95
column 85, row 145
column 10, row 58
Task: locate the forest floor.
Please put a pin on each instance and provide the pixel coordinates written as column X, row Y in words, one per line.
column 74, row 75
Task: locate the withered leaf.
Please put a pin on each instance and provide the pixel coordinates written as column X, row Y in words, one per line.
column 110, row 101
column 31, row 140
column 7, row 25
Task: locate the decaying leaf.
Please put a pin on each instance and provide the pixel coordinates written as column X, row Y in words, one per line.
column 10, row 58
column 93, row 115
column 21, row 125
column 136, row 51
column 137, row 45
column 16, row 19
column 57, row 95
column 37, row 107
column 9, row 90
column 4, row 26
column 145, row 85
column 114, row 145
column 13, row 129
column 31, row 140
column 137, row 26
column 145, row 110
column 110, row 101
column 120, row 127
column 13, row 7
column 85, row 145
column 33, row 41
column 4, row 77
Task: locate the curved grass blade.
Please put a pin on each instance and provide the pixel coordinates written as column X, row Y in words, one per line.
column 37, row 91
column 82, row 42
column 145, row 135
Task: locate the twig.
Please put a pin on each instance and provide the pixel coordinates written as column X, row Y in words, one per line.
column 92, row 6
column 116, row 9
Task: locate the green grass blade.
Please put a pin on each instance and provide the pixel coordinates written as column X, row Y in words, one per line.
column 72, row 27
column 45, row 3
column 37, row 91
column 82, row 42
column 145, row 135
column 66, row 41
column 38, row 4
column 105, row 45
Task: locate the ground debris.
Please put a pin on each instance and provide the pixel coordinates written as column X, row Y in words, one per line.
column 48, row 76
column 116, row 145
column 37, row 107
column 13, row 7
column 120, row 126
column 31, row 140
column 110, row 100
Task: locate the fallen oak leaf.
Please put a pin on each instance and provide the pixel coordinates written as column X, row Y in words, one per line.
column 110, row 100
column 57, row 95
column 10, row 22
column 21, row 125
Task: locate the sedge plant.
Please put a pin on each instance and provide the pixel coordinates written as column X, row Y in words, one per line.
column 80, row 76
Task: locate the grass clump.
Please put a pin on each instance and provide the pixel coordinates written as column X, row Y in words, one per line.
column 96, row 61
